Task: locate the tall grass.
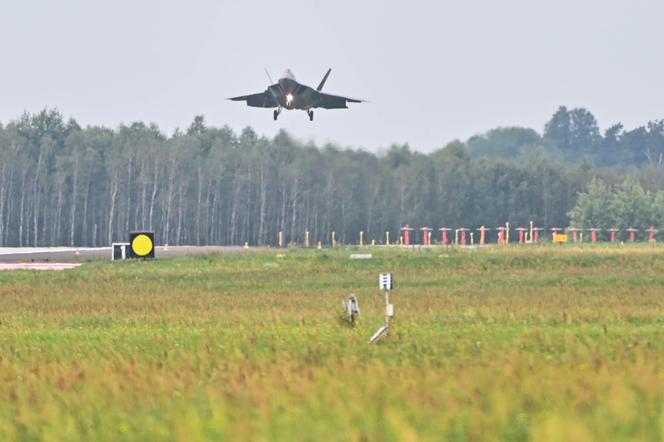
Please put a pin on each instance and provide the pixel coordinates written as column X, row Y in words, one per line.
column 511, row 343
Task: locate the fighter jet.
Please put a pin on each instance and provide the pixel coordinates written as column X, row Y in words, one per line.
column 287, row 93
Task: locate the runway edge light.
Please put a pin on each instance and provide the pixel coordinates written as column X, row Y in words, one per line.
column 141, row 245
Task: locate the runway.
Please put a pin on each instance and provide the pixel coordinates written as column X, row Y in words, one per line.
column 39, row 265
column 82, row 254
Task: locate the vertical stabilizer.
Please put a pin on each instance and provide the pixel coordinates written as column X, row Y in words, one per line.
column 322, row 83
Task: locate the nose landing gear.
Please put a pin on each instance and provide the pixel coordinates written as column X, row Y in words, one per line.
column 276, row 113
column 311, row 115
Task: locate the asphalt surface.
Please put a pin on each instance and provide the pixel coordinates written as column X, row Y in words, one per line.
column 73, row 254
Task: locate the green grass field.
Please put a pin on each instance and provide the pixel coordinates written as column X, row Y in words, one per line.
column 502, row 343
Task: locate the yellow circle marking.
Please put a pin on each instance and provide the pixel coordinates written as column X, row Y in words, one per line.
column 142, row 245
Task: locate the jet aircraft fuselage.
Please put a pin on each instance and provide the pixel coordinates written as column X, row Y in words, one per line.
column 288, row 94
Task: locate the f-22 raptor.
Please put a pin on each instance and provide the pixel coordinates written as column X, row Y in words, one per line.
column 287, row 93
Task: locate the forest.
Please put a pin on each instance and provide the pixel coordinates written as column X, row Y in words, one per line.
column 63, row 184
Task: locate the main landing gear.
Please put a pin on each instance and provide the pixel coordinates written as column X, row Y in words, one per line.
column 276, row 113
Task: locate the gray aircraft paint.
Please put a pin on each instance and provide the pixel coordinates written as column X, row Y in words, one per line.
column 287, row 93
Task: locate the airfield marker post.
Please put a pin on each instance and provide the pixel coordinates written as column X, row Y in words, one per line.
column 306, row 239
column 406, row 234
column 651, row 233
column 443, row 238
column 536, row 232
column 575, row 233
column 501, row 234
column 385, row 284
column 593, row 233
column 387, row 238
column 632, row 234
column 531, row 230
column 463, row 231
column 425, row 236
column 522, row 232
column 613, row 232
column 483, row 231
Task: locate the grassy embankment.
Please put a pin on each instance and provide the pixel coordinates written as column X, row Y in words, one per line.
column 511, row 343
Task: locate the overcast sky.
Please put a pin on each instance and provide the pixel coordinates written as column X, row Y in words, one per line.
column 432, row 71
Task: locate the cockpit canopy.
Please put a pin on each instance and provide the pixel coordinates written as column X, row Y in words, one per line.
column 289, row 75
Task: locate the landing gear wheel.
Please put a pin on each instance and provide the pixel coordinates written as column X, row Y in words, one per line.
column 276, row 114
column 311, row 115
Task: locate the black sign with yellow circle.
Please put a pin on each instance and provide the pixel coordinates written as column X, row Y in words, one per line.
column 141, row 244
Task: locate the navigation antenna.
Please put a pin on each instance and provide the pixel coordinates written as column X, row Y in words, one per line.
column 268, row 77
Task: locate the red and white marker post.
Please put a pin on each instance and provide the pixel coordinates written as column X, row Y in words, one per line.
column 593, row 233
column 406, row 234
column 522, row 234
column 501, row 234
column 651, row 233
column 536, row 234
column 575, row 233
column 613, row 232
column 483, row 231
column 426, row 236
column 632, row 234
column 463, row 231
column 443, row 238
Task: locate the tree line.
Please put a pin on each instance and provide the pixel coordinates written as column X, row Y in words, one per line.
column 624, row 206
column 63, row 184
column 571, row 136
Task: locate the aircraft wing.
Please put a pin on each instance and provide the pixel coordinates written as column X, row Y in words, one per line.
column 328, row 101
column 262, row 99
